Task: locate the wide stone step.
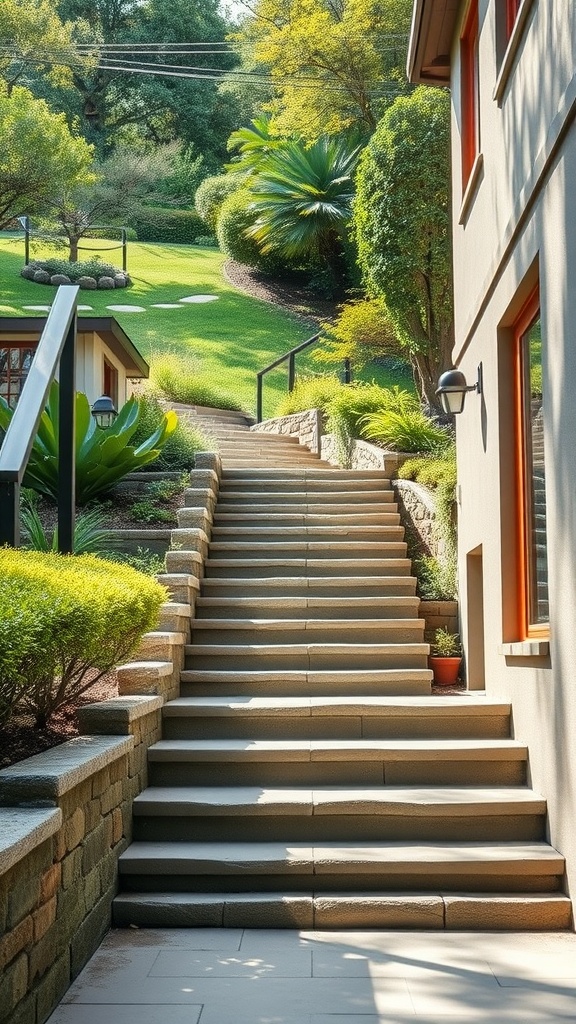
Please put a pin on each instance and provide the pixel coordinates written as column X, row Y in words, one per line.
column 374, row 476
column 310, row 607
column 337, row 813
column 305, row 630
column 231, row 866
column 257, row 761
column 233, row 520
column 290, row 682
column 307, row 567
column 307, row 656
column 306, row 533
column 303, row 508
column 334, row 588
column 386, row 910
column 299, row 482
column 332, row 717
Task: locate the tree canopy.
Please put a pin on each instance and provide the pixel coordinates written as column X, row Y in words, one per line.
column 403, row 232
column 34, row 39
column 333, row 64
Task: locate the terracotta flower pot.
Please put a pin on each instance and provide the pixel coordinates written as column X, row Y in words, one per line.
column 445, row 670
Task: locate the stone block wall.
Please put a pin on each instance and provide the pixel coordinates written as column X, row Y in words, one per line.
column 437, row 614
column 418, row 514
column 306, row 426
column 363, row 455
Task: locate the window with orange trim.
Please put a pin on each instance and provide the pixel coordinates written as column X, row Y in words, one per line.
column 469, row 92
column 110, row 382
column 531, row 474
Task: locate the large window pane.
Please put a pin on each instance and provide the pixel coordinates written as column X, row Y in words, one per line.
column 534, row 474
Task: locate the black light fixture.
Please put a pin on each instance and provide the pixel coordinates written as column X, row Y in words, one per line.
column 452, row 388
column 104, row 412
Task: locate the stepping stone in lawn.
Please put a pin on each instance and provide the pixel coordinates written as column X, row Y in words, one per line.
column 84, row 307
column 126, row 309
column 200, row 298
column 166, row 305
column 42, row 309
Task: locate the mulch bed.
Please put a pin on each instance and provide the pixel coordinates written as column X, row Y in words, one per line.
column 290, row 293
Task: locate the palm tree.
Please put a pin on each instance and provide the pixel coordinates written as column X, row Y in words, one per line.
column 302, row 199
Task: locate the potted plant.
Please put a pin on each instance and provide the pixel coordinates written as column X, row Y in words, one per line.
column 445, row 657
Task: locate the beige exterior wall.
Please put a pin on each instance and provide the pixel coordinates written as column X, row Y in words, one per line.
column 521, row 224
column 91, row 351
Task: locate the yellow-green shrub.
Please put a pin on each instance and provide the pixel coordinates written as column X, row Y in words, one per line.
column 61, row 617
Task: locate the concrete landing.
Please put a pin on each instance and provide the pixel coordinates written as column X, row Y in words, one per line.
column 242, row 976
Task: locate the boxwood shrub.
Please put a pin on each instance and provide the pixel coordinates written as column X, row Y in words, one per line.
column 158, row 224
column 65, row 620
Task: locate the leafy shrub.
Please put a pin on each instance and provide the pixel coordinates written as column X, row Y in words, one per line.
column 145, row 560
column 361, row 331
column 446, row 644
column 309, row 393
column 146, row 510
column 210, row 195
column 102, row 456
column 234, row 218
column 166, row 490
column 436, row 580
column 90, row 535
column 158, row 224
column 210, row 241
column 172, row 378
column 408, row 430
column 180, row 447
column 88, row 614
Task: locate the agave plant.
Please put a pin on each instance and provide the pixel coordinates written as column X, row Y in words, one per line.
column 102, row 456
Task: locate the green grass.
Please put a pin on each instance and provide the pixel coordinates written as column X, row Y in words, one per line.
column 226, row 341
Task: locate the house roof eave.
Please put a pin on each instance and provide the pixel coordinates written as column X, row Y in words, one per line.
column 430, row 43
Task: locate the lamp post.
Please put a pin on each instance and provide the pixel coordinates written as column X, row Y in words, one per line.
column 452, row 389
column 104, row 412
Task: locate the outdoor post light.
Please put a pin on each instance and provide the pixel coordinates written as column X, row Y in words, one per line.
column 104, row 412
column 452, row 390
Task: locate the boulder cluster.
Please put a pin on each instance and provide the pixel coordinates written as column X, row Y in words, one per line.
column 35, row 272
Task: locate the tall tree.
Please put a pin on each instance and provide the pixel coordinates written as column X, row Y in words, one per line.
column 34, row 39
column 334, row 63
column 402, row 228
column 38, row 153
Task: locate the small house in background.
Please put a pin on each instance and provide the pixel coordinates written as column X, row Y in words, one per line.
column 510, row 66
column 107, row 362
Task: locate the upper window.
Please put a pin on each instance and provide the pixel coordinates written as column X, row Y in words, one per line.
column 533, row 560
column 469, row 92
column 15, row 363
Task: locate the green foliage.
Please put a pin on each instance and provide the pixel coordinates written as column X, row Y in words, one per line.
column 156, row 224
column 402, row 228
column 102, row 456
column 353, row 402
column 432, row 471
column 210, row 195
column 180, row 447
column 309, row 393
column 80, row 268
column 439, row 473
column 172, row 377
column 235, row 220
column 90, row 534
column 147, row 510
column 187, row 173
column 38, row 154
column 446, row 644
column 89, row 614
column 166, row 490
column 23, row 24
column 408, row 430
column 361, row 331
column 436, row 580
column 145, row 560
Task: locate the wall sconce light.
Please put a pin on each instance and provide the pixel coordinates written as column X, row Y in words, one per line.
column 104, row 412
column 452, row 388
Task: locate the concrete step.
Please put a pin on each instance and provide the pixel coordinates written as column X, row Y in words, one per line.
column 305, row 533
column 334, row 588
column 288, row 519
column 338, row 813
column 320, row 656
column 307, row 567
column 530, row 911
column 305, row 508
column 246, row 550
column 303, row 630
column 302, row 682
column 260, row 761
column 311, row 607
column 329, row 867
column 375, row 476
column 314, row 482
column 333, row 717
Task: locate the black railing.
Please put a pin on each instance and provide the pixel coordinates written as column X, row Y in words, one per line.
column 291, row 357
column 56, row 348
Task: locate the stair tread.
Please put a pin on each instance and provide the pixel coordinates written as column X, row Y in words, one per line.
column 446, row 858
column 307, row 624
column 321, row 800
column 445, row 707
column 314, row 749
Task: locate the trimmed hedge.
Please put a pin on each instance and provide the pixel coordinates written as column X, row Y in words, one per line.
column 61, row 617
column 158, row 224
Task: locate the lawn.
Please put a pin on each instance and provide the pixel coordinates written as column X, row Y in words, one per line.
column 227, row 339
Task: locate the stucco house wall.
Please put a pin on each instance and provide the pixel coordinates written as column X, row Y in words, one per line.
column 517, row 227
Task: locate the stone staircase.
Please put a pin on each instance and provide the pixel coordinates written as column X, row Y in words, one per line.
column 306, row 777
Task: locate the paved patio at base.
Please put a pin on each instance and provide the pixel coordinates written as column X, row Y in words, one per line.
column 242, row 976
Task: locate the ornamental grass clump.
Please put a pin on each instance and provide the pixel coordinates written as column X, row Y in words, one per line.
column 64, row 622
column 174, row 378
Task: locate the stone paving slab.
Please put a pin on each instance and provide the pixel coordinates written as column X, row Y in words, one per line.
column 255, row 976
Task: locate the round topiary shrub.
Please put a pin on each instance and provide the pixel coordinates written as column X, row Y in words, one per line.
column 210, row 195
column 41, row 277
column 89, row 283
column 60, row 279
column 106, row 282
column 236, row 216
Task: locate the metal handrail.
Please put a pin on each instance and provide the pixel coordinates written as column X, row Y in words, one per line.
column 291, row 357
column 56, row 348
